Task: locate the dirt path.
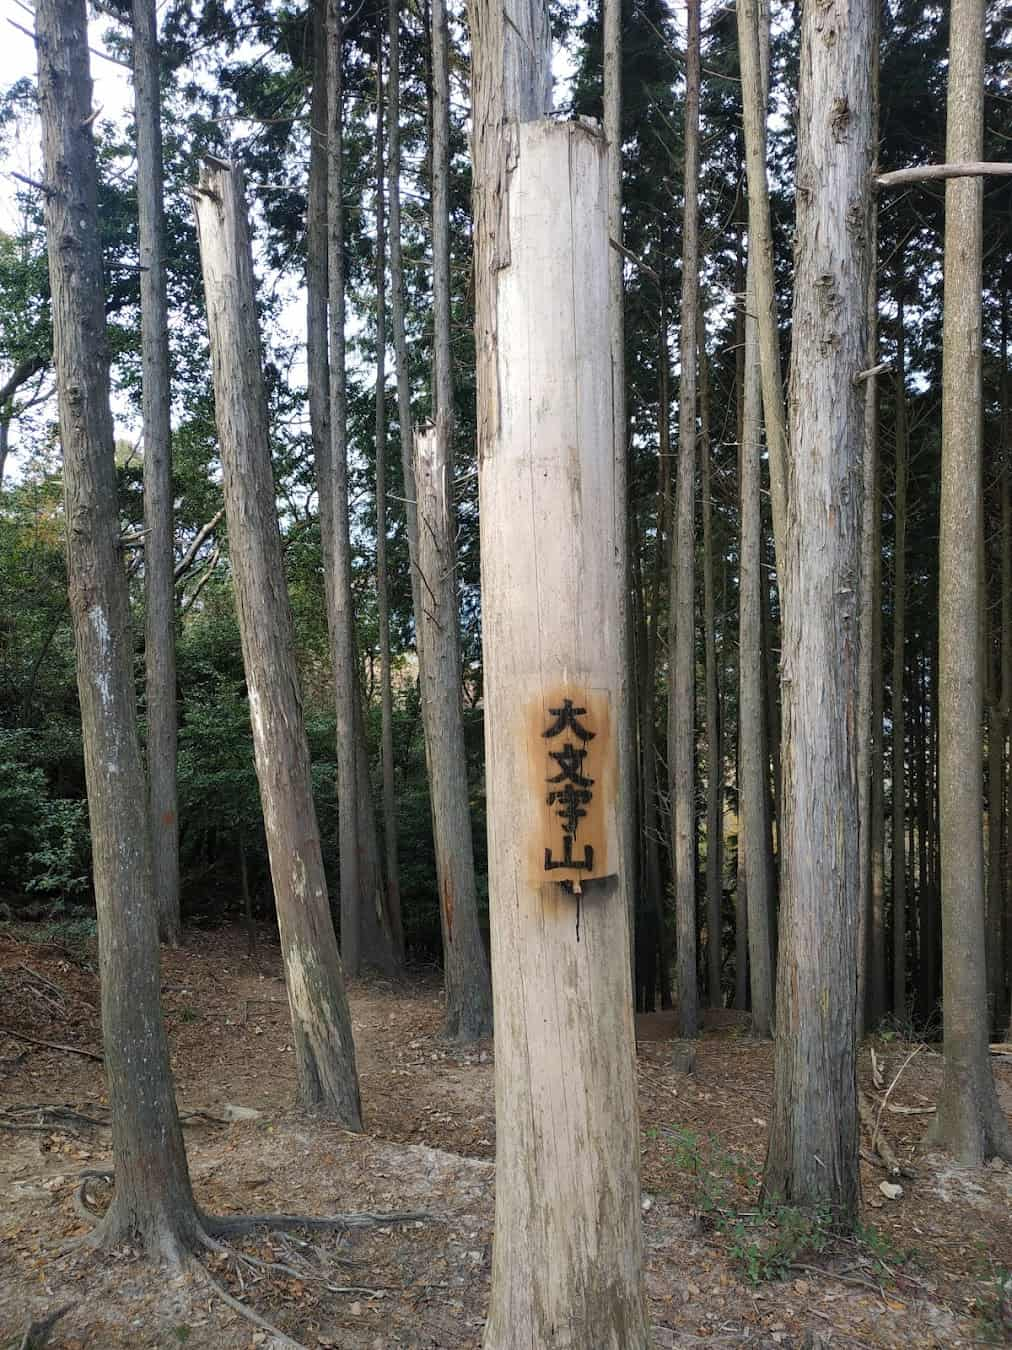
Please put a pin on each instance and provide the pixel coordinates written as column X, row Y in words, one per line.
column 925, row 1275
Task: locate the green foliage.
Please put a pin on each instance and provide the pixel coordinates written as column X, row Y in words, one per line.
column 43, row 839
column 764, row 1242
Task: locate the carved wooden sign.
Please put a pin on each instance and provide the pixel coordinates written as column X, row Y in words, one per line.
column 571, row 757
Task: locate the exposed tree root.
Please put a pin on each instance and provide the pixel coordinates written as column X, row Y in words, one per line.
column 38, row 1333
column 238, row 1306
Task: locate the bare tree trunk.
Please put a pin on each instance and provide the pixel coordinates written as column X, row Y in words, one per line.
column 877, row 991
column 343, row 613
column 813, row 1150
column 714, row 747
column 321, row 1026
column 567, row 1250
column 753, row 50
column 868, row 731
column 152, row 1206
column 612, row 54
column 682, row 689
column 899, row 874
column 405, row 424
column 969, row 1121
column 159, row 560
column 1006, row 627
column 393, row 882
column 753, row 758
column 468, row 990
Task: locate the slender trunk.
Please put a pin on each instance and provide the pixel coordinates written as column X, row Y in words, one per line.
column 321, row 1026
column 753, row 760
column 899, row 872
column 152, row 1205
column 969, row 1121
column 159, row 580
column 612, row 25
column 393, row 882
column 405, row 424
column 714, row 748
column 753, row 50
column 468, row 990
column 813, row 1150
column 929, row 906
column 1006, row 625
column 648, row 683
column 741, row 889
column 567, row 1251
column 682, row 690
column 343, row 613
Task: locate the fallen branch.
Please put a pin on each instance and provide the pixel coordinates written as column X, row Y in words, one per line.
column 53, row 1045
column 879, row 1143
column 248, row 1223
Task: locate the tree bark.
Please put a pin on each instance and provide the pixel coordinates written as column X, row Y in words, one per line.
column 612, row 73
column 969, row 1121
column 343, row 613
column 753, row 51
column 567, row 1254
column 869, row 731
column 468, row 989
column 159, row 580
column 682, row 688
column 753, row 756
column 813, row 1150
column 321, row 1026
column 899, row 865
column 714, row 746
column 392, row 891
column 152, row 1205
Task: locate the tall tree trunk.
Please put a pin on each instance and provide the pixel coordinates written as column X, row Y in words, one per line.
column 969, row 1121
column 468, row 990
column 877, row 995
column 813, row 1150
column 1006, row 626
column 714, row 747
column 343, row 612
column 152, row 1205
column 159, row 560
column 321, row 1026
column 405, row 425
column 741, row 999
column 868, row 731
column 753, row 51
column 753, row 759
column 612, row 72
column 393, row 881
column 899, row 866
column 567, row 1250
column 682, row 688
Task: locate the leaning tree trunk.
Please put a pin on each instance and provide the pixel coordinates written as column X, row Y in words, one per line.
column 468, row 990
column 567, row 1257
column 753, row 757
column 813, row 1150
column 969, row 1121
column 321, row 1026
column 152, row 1206
column 682, row 689
column 159, row 580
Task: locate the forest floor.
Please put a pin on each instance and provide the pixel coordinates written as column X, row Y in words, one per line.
column 926, row 1270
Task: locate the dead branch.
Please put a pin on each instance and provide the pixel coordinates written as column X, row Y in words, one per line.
column 186, row 561
column 221, row 1225
column 927, row 173
column 52, row 1045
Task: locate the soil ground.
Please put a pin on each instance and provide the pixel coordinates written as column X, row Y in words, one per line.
column 926, row 1270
